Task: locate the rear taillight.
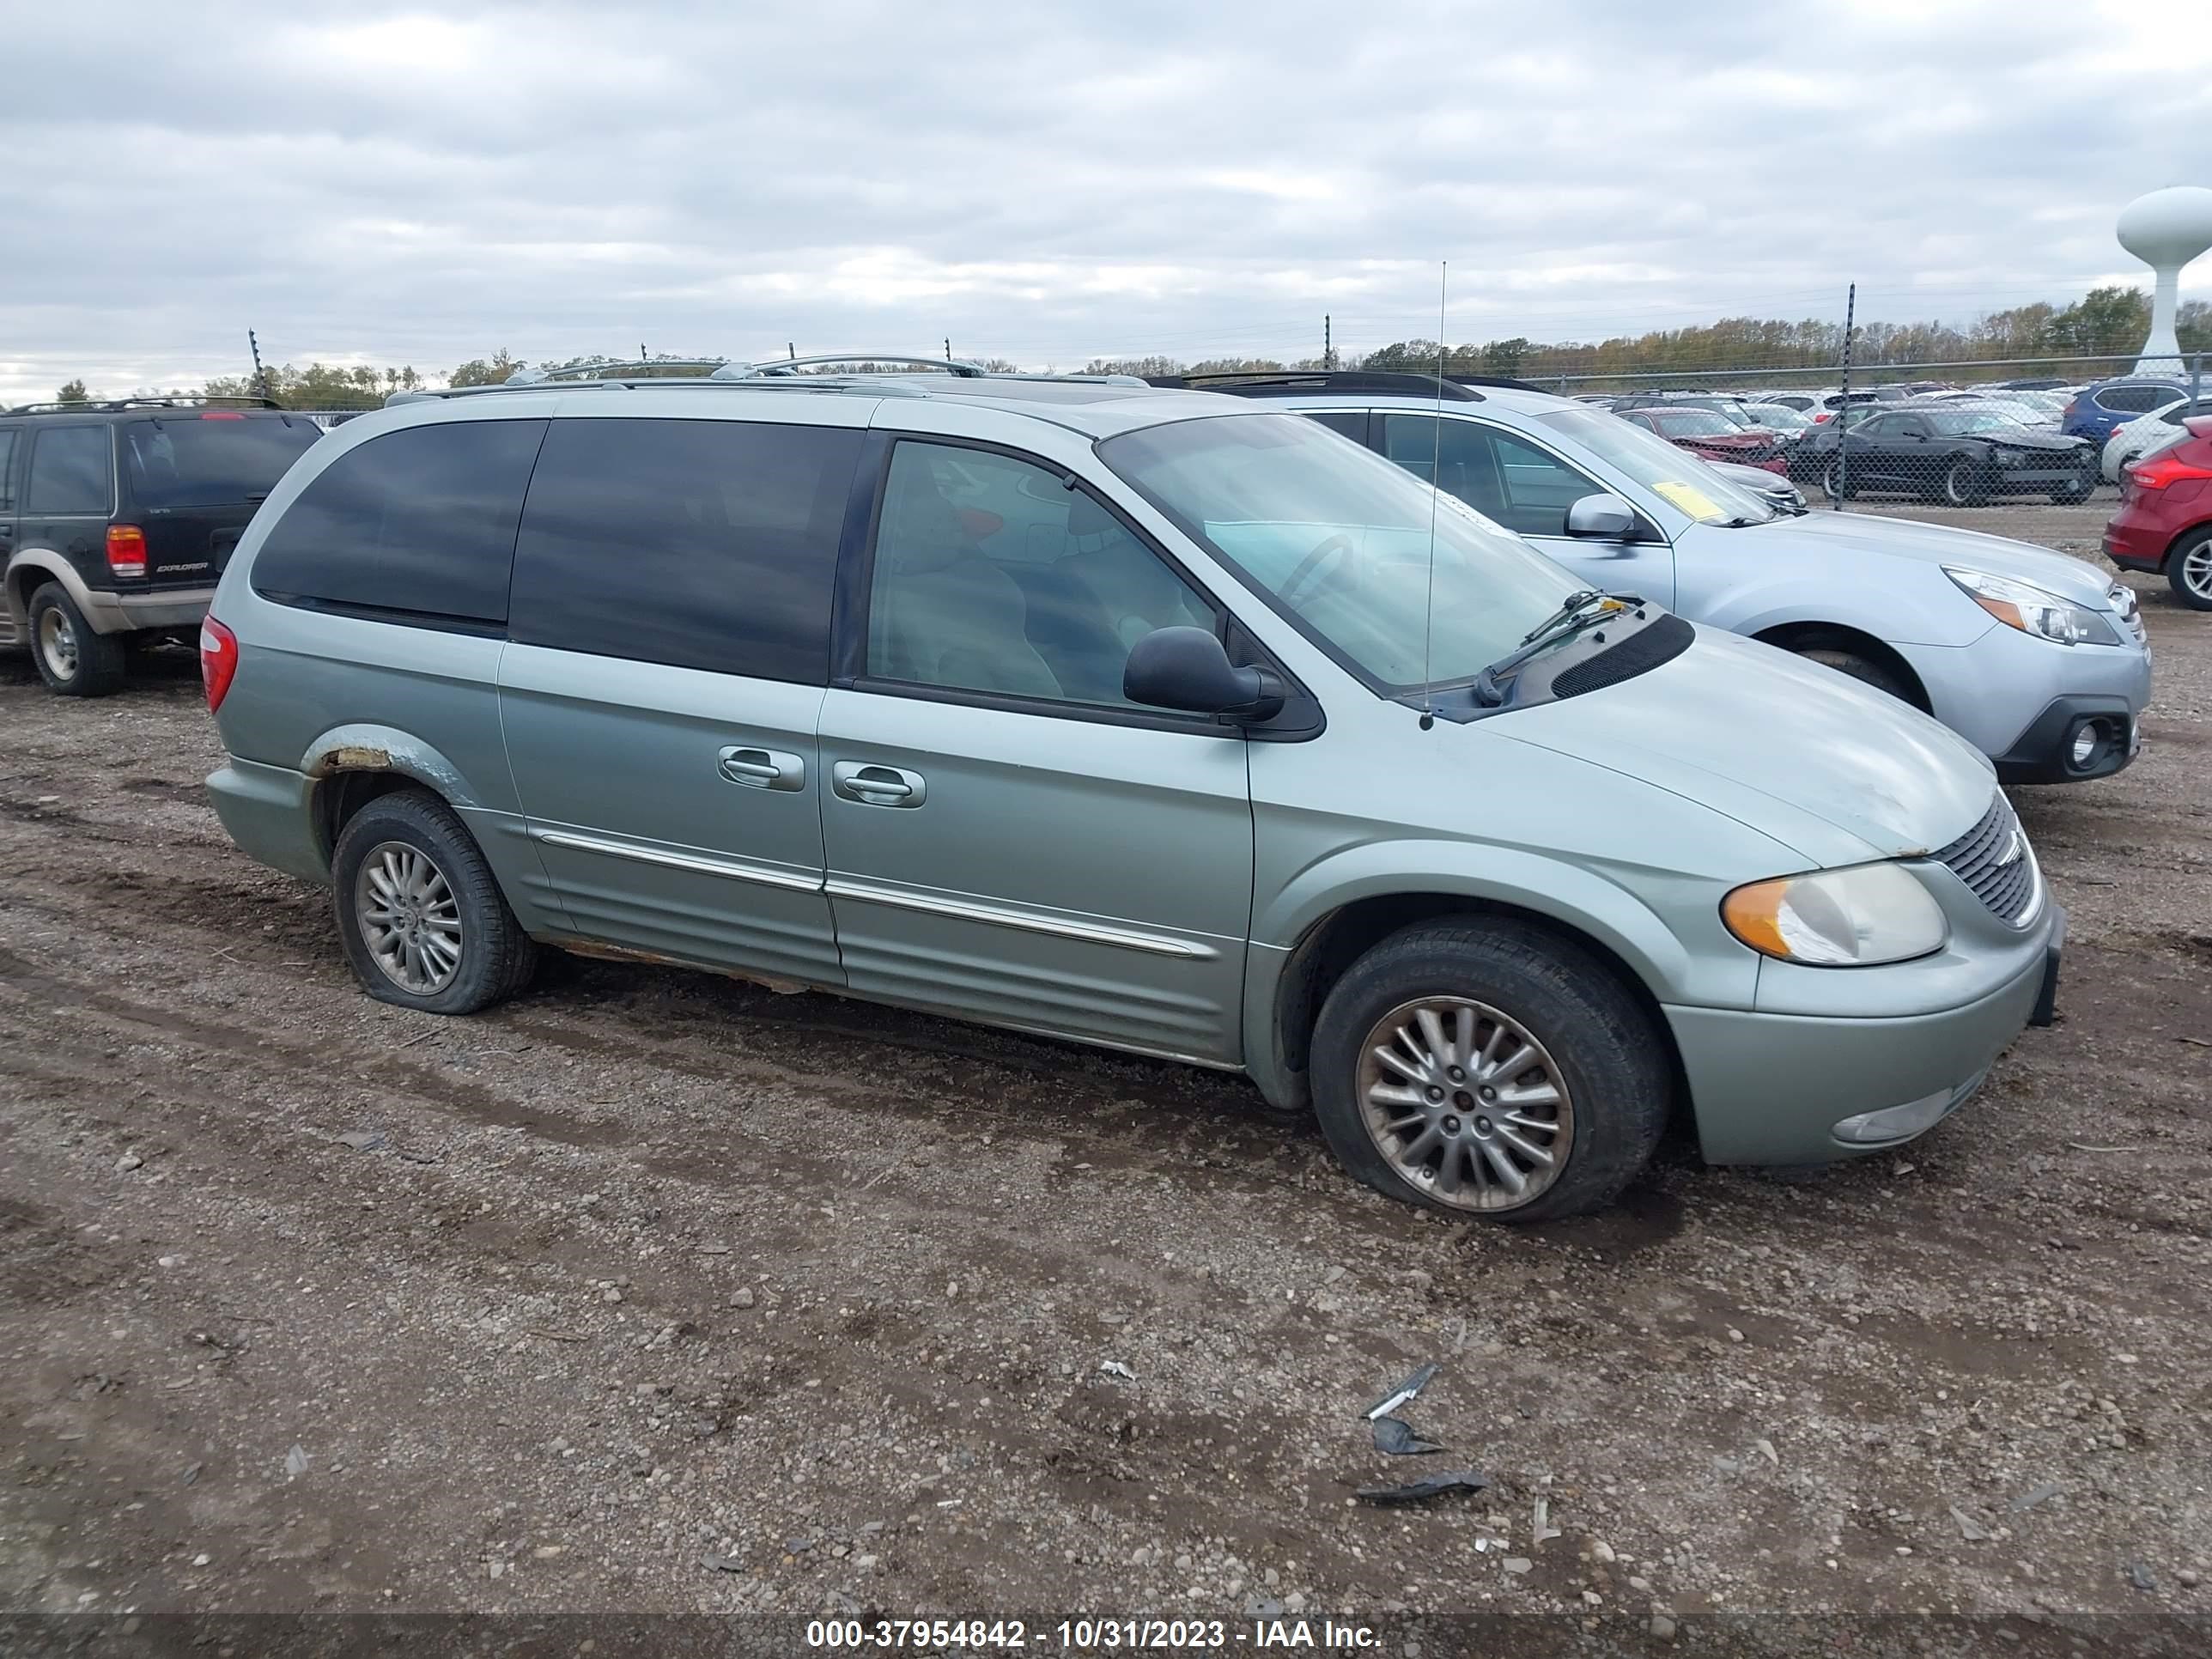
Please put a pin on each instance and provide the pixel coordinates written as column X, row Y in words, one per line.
column 2163, row 470
column 218, row 660
column 126, row 551
column 2067, row 413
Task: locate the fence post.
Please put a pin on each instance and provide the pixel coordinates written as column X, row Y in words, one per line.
column 1844, row 403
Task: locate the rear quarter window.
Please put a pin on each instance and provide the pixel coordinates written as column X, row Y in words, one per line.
column 697, row 543
column 7, row 472
column 215, row 458
column 72, row 473
column 416, row 524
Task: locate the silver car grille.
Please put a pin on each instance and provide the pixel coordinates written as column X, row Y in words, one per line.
column 1994, row 860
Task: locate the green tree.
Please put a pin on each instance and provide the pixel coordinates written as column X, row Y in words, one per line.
column 2192, row 325
column 74, row 393
column 1506, row 357
column 2104, row 320
column 479, row 371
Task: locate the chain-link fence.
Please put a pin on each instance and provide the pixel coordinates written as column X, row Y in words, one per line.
column 1959, row 434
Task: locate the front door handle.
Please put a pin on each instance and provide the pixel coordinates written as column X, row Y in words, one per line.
column 878, row 786
column 762, row 769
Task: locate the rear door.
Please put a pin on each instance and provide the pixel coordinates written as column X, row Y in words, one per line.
column 669, row 641
column 1009, row 838
column 69, row 491
column 193, row 478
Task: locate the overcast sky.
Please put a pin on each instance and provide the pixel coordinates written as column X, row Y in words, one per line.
column 1049, row 182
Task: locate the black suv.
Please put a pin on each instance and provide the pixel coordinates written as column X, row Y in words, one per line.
column 116, row 518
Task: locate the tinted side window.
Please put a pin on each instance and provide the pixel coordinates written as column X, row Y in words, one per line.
column 701, row 543
column 215, row 458
column 417, row 523
column 1351, row 422
column 8, row 473
column 991, row 574
column 2133, row 400
column 1508, row 481
column 72, row 472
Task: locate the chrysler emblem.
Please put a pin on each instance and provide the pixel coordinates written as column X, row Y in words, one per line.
column 2013, row 848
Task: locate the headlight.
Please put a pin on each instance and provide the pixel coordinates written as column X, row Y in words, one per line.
column 2031, row 610
column 1850, row 918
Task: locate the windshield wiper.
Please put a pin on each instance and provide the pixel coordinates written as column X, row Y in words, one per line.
column 1585, row 609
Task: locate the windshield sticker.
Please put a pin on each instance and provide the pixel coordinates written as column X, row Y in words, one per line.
column 1691, row 499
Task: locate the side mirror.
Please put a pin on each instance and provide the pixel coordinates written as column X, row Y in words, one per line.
column 1189, row 669
column 1602, row 518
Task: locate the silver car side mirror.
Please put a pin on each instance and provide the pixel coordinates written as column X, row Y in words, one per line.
column 1602, row 518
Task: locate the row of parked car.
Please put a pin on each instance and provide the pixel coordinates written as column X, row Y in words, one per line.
column 1192, row 723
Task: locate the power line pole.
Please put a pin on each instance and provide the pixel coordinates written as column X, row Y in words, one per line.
column 260, row 374
column 1327, row 345
column 1843, row 403
column 948, row 348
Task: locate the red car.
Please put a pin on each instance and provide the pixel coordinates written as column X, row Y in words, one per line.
column 1713, row 437
column 2165, row 520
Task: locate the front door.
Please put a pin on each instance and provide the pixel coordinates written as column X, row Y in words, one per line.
column 670, row 625
column 1008, row 838
column 1518, row 483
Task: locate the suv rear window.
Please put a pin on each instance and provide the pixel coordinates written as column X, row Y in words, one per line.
column 212, row 460
column 416, row 524
column 699, row 543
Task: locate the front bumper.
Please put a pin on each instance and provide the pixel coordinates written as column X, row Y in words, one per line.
column 1994, row 691
column 2045, row 751
column 1772, row 1089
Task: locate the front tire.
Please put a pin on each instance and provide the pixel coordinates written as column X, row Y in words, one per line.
column 73, row 660
column 1831, row 483
column 419, row 912
column 1963, row 485
column 1489, row 1068
column 2189, row 570
column 1866, row 670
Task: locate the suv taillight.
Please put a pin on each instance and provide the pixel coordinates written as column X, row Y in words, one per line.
column 126, row 551
column 2067, row 413
column 218, row 660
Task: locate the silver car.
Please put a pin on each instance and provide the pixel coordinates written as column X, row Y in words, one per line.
column 1153, row 721
column 2036, row 660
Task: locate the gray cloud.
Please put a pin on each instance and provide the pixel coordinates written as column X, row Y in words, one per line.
column 1049, row 182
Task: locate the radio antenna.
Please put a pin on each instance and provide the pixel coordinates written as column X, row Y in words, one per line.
column 1436, row 483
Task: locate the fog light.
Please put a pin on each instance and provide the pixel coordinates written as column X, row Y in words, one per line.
column 1896, row 1123
column 2085, row 743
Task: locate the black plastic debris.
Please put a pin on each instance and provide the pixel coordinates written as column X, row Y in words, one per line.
column 1400, row 1439
column 1404, row 1393
column 1420, row 1492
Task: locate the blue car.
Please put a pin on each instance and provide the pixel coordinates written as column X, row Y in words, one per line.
column 2098, row 410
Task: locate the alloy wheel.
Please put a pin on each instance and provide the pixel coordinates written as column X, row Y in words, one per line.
column 1465, row 1104
column 58, row 643
column 2196, row 570
column 409, row 917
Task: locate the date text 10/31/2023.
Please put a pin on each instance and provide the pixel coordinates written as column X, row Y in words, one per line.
column 1084, row 1635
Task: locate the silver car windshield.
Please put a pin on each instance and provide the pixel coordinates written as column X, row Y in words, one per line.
column 1674, row 475
column 1338, row 540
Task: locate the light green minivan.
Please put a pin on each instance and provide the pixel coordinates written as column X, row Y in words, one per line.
column 1136, row 718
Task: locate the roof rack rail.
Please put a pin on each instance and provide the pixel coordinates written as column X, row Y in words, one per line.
column 1289, row 382
column 782, row 367
column 151, row 400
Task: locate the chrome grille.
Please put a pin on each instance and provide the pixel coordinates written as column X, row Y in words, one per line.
column 1993, row 859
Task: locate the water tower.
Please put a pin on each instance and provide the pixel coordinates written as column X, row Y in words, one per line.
column 2166, row 230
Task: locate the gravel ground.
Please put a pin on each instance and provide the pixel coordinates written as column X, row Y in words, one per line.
column 654, row 1290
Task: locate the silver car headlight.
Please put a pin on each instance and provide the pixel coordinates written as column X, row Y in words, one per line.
column 2033, row 609
column 1855, row 917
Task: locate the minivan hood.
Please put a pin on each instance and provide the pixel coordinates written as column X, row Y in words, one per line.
column 1848, row 533
column 1838, row 772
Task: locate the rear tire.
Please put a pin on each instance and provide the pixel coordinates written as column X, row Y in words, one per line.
column 1866, row 670
column 1561, row 1083
column 2189, row 570
column 72, row 660
column 1831, row 483
column 420, row 914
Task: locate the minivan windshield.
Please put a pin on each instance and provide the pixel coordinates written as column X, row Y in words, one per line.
column 1337, row 539
column 1676, row 475
column 212, row 458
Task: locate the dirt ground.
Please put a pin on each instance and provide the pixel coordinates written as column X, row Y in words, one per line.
column 653, row 1291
